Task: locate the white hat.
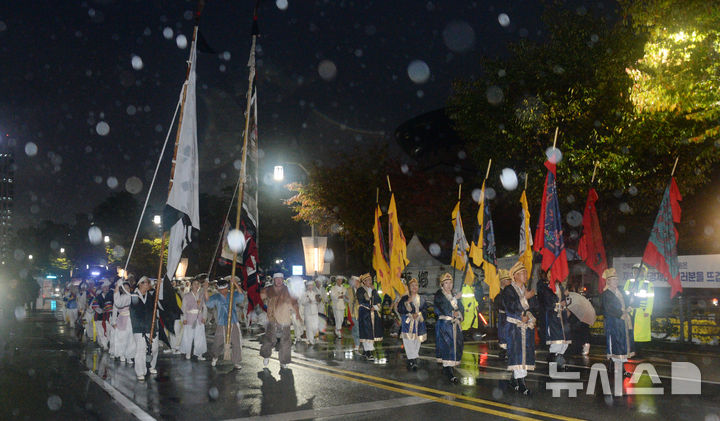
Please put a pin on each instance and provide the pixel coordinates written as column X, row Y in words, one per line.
column 278, row 275
column 143, row 279
column 105, row 283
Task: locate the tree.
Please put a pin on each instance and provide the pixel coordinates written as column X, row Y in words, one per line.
column 577, row 79
column 340, row 198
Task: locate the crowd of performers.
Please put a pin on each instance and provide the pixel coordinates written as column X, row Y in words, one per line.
column 119, row 318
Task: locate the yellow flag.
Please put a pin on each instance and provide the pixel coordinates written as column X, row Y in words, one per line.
column 526, row 239
column 482, row 249
column 460, row 259
column 379, row 261
column 398, row 250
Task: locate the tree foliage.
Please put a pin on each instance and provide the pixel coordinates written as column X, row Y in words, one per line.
column 579, row 78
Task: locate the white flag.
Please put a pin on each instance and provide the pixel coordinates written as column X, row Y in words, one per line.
column 184, row 191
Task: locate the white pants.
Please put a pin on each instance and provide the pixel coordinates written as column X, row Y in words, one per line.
column 71, row 315
column 368, row 346
column 519, row 373
column 194, row 336
column 558, row 348
column 103, row 334
column 123, row 343
column 298, row 327
column 311, row 326
column 89, row 325
column 339, row 314
column 140, row 353
column 412, row 348
column 176, row 338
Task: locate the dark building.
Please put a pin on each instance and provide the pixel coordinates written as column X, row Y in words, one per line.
column 7, row 180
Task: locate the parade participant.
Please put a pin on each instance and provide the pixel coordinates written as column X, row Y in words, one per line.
column 89, row 314
column 220, row 302
column 311, row 302
column 280, row 304
column 616, row 318
column 370, row 329
column 175, row 337
column 123, row 344
column 520, row 328
column 448, row 331
column 556, row 320
column 353, row 310
column 193, row 307
column 103, row 311
column 502, row 324
column 642, row 294
column 142, row 303
column 412, row 308
column 338, row 293
column 71, row 305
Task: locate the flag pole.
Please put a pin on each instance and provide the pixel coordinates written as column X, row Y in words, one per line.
column 459, row 191
column 672, row 174
column 526, row 177
column 388, row 180
column 158, row 284
column 488, row 169
column 556, row 134
column 251, row 78
column 592, row 180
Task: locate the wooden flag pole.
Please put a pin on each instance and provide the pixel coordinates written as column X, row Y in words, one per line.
column 592, row 180
column 526, row 177
column 377, row 195
column 488, row 169
column 459, row 191
column 672, row 174
column 555, row 139
column 388, row 180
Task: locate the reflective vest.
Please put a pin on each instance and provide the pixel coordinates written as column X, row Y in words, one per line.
column 643, row 296
column 471, row 308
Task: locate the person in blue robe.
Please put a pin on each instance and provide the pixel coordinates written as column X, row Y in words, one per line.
column 518, row 303
column 448, row 329
column 556, row 323
column 412, row 317
column 370, row 323
column 617, row 321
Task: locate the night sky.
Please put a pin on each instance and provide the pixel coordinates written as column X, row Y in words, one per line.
column 88, row 88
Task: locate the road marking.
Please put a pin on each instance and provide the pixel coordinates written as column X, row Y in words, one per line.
column 335, row 411
column 120, row 398
column 444, row 398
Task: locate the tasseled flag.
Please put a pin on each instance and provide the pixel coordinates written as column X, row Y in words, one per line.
column 379, row 261
column 460, row 260
column 526, row 241
column 549, row 234
column 398, row 251
column 661, row 249
column 591, row 248
column 482, row 249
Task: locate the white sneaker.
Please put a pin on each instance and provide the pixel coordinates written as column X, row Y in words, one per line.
column 266, row 361
column 187, row 356
column 283, row 365
column 141, row 378
column 214, row 362
column 122, row 359
column 238, row 367
column 153, row 371
column 201, row 358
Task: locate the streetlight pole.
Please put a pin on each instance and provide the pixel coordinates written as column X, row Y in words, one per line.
column 279, row 175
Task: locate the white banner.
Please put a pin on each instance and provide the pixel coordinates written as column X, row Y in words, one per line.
column 702, row 271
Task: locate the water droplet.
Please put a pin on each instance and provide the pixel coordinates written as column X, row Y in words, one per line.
column 624, row 207
column 102, row 128
column 633, row 190
column 281, row 4
column 54, row 402
column 574, row 218
column 497, row 393
column 458, row 36
column 213, row 393
column 418, row 71
column 136, row 62
column 504, row 20
column 459, row 180
column 554, row 155
column 621, row 229
column 20, row 313
column 112, row 182
column 95, row 235
column 329, row 256
column 404, row 168
column 476, row 194
column 181, row 41
column 118, row 252
column 508, row 179
column 31, row 149
column 494, row 95
column 709, row 231
column 236, row 241
column 133, row 185
column 462, row 155
column 168, row 33
column 570, row 198
column 434, row 249
column 327, row 70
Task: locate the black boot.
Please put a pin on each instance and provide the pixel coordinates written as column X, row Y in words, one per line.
column 369, row 355
column 513, row 383
column 450, row 373
column 522, row 388
column 560, row 361
column 409, row 364
column 414, row 364
column 502, row 354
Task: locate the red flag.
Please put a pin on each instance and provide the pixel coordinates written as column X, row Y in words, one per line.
column 591, row 248
column 661, row 249
column 549, row 234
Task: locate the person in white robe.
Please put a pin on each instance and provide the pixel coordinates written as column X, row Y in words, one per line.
column 193, row 340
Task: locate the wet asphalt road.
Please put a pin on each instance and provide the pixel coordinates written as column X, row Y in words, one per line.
column 46, row 374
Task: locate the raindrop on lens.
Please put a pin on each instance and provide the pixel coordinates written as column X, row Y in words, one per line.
column 236, row 241
column 168, row 33
column 281, row 4
column 574, row 218
column 462, row 155
column 458, row 36
column 31, row 149
column 20, row 313
column 459, row 180
column 553, row 155
column 118, row 251
column 624, row 207
column 136, row 62
column 213, row 393
column 327, row 70
column 621, row 229
column 570, row 198
column 181, row 41
column 709, row 231
column 329, row 256
column 508, row 179
column 497, row 393
column 102, row 128
column 504, row 20
column 54, row 402
column 112, row 182
column 95, row 235
column 434, row 249
column 476, row 194
column 489, row 193
column 133, row 185
column 494, row 95
column 404, row 168
column 418, row 71
column 633, row 190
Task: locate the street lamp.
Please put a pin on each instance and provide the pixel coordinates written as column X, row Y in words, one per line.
column 30, row 256
column 62, row 249
column 106, row 239
column 157, row 220
column 278, row 173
